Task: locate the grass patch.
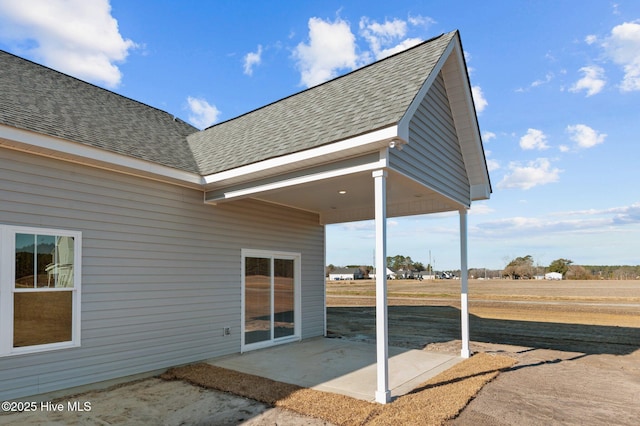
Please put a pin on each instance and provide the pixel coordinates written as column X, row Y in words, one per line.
column 432, row 403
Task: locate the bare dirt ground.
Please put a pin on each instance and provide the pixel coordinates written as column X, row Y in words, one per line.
column 158, row 402
column 577, row 343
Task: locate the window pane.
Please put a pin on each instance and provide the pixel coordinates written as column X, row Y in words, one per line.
column 257, row 327
column 25, row 265
column 60, row 272
column 283, row 298
column 45, row 250
column 42, row 317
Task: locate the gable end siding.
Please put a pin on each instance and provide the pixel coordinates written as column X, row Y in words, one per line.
column 160, row 269
column 432, row 156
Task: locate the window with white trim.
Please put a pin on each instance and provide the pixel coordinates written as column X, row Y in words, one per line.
column 39, row 289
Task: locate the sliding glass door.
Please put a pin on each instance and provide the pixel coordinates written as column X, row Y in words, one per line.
column 283, row 298
column 270, row 298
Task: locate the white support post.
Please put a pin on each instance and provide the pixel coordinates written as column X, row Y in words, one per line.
column 464, row 286
column 383, row 394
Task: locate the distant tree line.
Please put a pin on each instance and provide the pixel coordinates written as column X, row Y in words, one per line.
column 524, row 268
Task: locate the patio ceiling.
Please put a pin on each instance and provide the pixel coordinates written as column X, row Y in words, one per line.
column 340, row 191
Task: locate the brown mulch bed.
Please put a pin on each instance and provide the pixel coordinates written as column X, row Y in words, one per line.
column 432, row 403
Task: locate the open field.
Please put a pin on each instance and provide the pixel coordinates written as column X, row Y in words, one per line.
column 577, row 342
column 615, row 303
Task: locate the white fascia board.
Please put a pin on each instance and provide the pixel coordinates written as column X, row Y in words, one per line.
column 480, row 192
column 257, row 189
column 309, row 156
column 469, row 126
column 27, row 141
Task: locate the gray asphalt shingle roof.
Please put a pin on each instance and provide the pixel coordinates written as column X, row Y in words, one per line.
column 39, row 99
column 368, row 99
column 36, row 98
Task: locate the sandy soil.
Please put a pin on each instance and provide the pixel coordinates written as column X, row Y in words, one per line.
column 578, row 346
column 159, row 402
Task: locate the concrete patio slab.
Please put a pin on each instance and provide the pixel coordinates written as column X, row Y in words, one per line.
column 339, row 366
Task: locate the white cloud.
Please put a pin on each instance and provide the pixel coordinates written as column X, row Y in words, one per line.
column 619, row 215
column 584, row 136
column 626, row 215
column 534, row 139
column 381, row 36
column 331, row 48
column 420, row 20
column 388, row 38
column 593, row 220
column 480, row 208
column 403, row 45
column 77, row 37
column 467, row 58
column 520, row 227
column 564, row 148
column 623, row 47
column 547, row 78
column 252, row 59
column 492, row 164
column 615, row 8
column 536, row 83
column 478, row 98
column 593, row 81
column 487, row 136
column 527, row 176
column 202, row 113
column 378, row 35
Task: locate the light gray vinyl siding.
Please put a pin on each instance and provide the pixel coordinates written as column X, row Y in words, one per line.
column 160, row 269
column 432, row 156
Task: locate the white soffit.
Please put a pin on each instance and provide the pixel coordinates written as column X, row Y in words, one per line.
column 322, row 173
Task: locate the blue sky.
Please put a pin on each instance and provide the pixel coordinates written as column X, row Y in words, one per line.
column 556, row 86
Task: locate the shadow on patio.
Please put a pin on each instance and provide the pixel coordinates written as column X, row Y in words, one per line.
column 418, row 326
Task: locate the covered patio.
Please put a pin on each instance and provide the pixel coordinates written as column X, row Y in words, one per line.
column 339, row 366
column 397, row 138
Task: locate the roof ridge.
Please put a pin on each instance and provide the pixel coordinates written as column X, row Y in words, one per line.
column 331, row 80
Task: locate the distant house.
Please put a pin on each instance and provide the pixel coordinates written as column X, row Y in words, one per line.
column 553, row 276
column 407, row 274
column 347, row 274
column 131, row 241
column 390, row 274
column 426, row 275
